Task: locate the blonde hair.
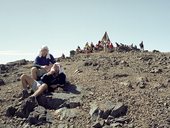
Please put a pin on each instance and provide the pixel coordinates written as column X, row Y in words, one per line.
column 44, row 47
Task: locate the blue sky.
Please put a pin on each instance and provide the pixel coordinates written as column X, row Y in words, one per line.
column 26, row 25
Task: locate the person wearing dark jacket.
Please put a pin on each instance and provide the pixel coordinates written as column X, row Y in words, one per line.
column 141, row 46
column 53, row 78
column 42, row 64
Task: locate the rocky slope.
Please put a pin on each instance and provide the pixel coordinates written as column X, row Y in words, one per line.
column 106, row 90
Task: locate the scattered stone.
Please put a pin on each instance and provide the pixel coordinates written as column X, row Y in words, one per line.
column 94, row 111
column 73, row 104
column 120, row 75
column 18, row 79
column 72, row 126
column 119, row 110
column 58, row 111
column 49, row 102
column 2, row 82
column 159, row 86
column 38, row 116
column 121, row 120
column 95, row 63
column 88, row 63
column 131, row 126
column 18, row 63
column 26, row 107
column 127, row 84
column 113, row 125
column 107, row 126
column 141, row 82
column 2, row 67
column 110, row 117
column 78, row 71
column 97, row 125
column 32, row 119
column 106, row 109
column 142, row 85
column 155, row 70
column 168, row 80
column 26, row 126
column 5, row 75
column 108, row 121
column 64, row 113
column 10, row 112
column 62, row 126
column 124, row 63
column 146, row 58
column 156, row 51
column 142, row 79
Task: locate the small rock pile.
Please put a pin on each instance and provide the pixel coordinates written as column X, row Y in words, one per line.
column 108, row 114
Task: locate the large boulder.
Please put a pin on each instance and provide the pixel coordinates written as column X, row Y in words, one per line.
column 94, row 111
column 106, row 109
column 18, row 63
column 119, row 110
column 38, row 116
column 10, row 112
column 26, row 107
column 72, row 53
column 3, row 68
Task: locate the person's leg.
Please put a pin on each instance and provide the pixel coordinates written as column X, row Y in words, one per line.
column 26, row 81
column 34, row 73
column 40, row 90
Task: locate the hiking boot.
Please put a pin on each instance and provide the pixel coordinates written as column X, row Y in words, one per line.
column 33, row 99
column 24, row 95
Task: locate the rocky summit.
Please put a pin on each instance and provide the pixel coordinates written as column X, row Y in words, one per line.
column 104, row 90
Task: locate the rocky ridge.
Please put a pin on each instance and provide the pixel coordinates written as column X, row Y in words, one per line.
column 105, row 90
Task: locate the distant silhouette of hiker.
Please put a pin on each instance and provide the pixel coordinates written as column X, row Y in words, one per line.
column 43, row 63
column 141, row 46
column 78, row 50
column 63, row 56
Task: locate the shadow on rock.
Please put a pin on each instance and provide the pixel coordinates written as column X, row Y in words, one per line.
column 50, row 103
column 71, row 88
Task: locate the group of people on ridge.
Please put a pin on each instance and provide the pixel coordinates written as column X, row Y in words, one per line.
column 107, row 47
column 46, row 74
column 94, row 48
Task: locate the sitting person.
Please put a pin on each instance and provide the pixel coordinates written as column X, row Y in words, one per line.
column 111, row 47
column 54, row 77
column 42, row 63
column 63, row 56
column 92, row 47
column 49, row 81
column 100, row 46
column 78, row 50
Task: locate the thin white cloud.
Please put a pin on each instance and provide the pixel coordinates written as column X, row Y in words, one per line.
column 16, row 53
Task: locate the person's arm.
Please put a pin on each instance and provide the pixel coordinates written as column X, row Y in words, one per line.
column 52, row 60
column 37, row 62
column 54, row 70
column 37, row 65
